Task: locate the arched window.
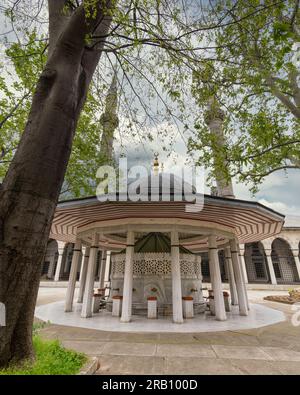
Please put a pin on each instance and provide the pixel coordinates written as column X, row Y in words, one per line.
column 205, row 267
column 50, row 259
column 67, row 261
column 256, row 264
column 223, row 266
column 284, row 262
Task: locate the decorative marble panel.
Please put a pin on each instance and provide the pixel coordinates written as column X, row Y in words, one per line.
column 159, row 264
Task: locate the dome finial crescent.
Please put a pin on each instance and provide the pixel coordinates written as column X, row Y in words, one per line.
column 156, row 164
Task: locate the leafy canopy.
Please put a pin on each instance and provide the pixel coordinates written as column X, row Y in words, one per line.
column 253, row 73
column 21, row 69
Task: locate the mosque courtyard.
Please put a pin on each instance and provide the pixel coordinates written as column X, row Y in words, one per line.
column 272, row 347
column 151, row 287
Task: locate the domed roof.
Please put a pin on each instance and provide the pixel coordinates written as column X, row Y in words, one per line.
column 162, row 184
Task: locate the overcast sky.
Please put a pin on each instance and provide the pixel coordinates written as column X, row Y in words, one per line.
column 280, row 191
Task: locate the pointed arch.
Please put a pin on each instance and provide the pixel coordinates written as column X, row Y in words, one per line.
column 284, row 262
column 205, row 267
column 50, row 259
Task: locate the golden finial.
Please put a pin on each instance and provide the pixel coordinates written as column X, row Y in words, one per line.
column 156, row 163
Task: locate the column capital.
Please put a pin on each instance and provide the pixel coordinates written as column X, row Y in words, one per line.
column 268, row 251
column 267, row 243
column 87, row 251
column 242, row 248
column 130, row 238
column 174, row 238
column 227, row 253
column 212, row 242
column 61, row 245
column 77, row 245
column 233, row 246
column 95, row 240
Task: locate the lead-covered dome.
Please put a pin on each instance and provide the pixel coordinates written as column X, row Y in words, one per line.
column 161, row 185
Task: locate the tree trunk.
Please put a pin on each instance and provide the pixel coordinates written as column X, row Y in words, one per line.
column 29, row 193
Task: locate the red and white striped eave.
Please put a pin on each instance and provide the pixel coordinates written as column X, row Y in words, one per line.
column 249, row 221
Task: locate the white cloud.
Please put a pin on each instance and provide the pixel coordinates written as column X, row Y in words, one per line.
column 292, row 220
column 277, row 206
column 291, row 212
column 279, row 191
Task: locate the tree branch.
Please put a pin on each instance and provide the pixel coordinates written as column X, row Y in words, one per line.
column 14, row 109
column 282, row 97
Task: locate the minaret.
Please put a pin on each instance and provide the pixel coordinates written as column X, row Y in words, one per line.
column 109, row 121
column 214, row 118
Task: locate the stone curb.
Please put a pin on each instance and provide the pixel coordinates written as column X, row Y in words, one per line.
column 92, row 365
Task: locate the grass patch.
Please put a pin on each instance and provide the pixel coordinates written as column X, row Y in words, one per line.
column 51, row 359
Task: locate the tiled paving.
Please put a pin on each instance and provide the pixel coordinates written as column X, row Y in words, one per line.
column 128, row 358
column 241, row 352
column 273, row 349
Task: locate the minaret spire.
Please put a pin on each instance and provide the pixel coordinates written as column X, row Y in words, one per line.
column 109, row 121
column 156, row 164
column 214, row 118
